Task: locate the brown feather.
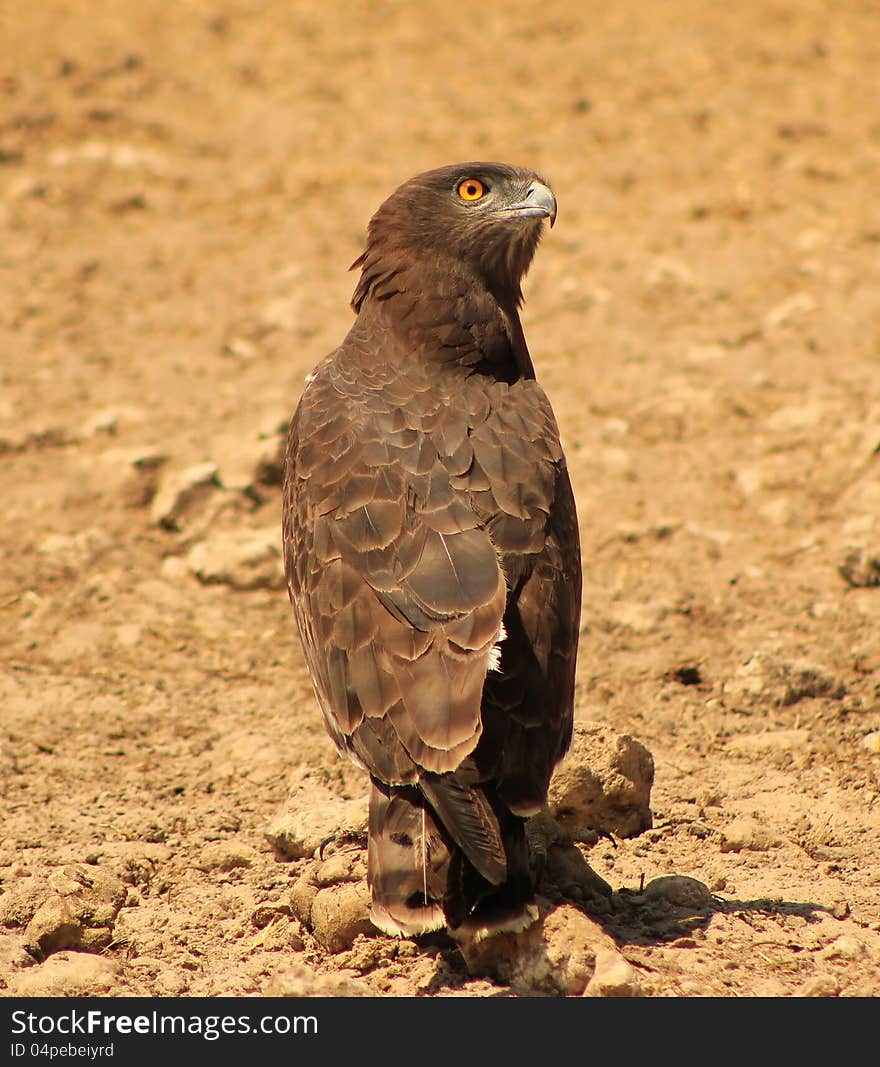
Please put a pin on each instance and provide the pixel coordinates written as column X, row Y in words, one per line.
column 429, row 530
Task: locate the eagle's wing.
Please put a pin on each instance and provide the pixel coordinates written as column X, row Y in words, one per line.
column 396, row 583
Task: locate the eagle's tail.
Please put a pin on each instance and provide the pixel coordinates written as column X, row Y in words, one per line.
column 445, row 854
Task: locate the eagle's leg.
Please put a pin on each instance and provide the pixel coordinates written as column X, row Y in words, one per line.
column 407, row 862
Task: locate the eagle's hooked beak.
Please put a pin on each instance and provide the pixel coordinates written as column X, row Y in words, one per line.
column 538, row 203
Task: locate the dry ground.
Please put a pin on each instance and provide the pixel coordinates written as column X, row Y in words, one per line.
column 182, row 187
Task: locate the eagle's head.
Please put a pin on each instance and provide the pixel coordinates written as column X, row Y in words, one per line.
column 479, row 219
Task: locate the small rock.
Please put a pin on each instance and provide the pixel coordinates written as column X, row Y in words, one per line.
column 604, row 783
column 174, row 570
column 79, row 913
column 181, row 492
column 861, row 568
column 701, row 354
column 822, row 985
column 796, row 417
column 845, row 947
column 108, row 420
column 74, row 551
column 77, row 643
column 243, row 559
column 339, row 913
column 680, row 891
column 67, row 974
column 248, row 462
column 129, row 635
column 664, row 270
column 300, row 828
column 342, row 866
column 169, row 983
column 613, row 977
column 302, row 897
column 54, row 926
column 767, row 680
column 747, row 835
column 302, row 981
column 131, row 474
column 241, row 348
column 226, row 856
column 750, row 480
column 21, row 900
column 792, row 308
column 264, row 914
column 872, row 742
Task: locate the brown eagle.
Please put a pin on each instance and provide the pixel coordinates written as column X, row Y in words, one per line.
column 432, row 555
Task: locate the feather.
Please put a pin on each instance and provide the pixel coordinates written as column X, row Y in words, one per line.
column 431, row 552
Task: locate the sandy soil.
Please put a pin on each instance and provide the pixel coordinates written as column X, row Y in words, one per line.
column 182, row 187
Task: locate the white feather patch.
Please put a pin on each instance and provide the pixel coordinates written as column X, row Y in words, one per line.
column 495, row 650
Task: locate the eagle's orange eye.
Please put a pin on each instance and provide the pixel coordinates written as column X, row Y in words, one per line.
column 471, row 189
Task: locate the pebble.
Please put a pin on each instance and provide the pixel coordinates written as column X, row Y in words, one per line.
column 702, row 354
column 861, row 568
column 872, row 742
column 131, row 474
column 613, row 977
column 74, row 551
column 822, row 985
column 604, row 782
column 302, row 897
column 77, row 643
column 747, row 835
column 170, row 983
column 129, row 635
column 180, row 492
column 771, row 681
column 845, row 947
column 796, row 417
column 302, row 825
column 56, row 926
column 108, row 420
column 340, row 913
column 247, row 462
column 226, row 856
column 242, row 559
column 67, row 974
column 302, row 981
column 347, row 865
column 241, row 348
column 680, row 891
column 79, row 912
column 792, row 308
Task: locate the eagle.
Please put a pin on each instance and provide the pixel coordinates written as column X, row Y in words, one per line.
column 432, row 554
